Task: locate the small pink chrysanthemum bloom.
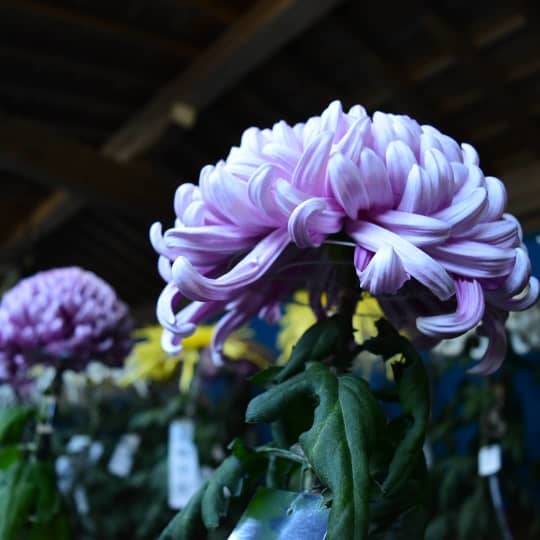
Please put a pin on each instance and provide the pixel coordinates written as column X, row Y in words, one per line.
column 62, row 314
column 430, row 236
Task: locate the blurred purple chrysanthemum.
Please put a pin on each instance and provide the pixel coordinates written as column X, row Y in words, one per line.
column 65, row 313
column 430, row 236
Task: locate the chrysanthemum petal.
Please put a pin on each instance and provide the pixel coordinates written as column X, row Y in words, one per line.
column 493, row 328
column 384, row 274
column 375, row 178
column 399, row 162
column 311, row 221
column 462, row 215
column 416, row 262
column 310, row 172
column 418, row 229
column 473, row 259
column 469, row 312
column 251, row 268
column 347, row 186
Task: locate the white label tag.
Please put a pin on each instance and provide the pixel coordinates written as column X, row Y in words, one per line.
column 81, row 500
column 122, row 458
column 184, row 471
column 489, row 460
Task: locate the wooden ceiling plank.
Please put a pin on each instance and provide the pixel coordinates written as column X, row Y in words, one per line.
column 217, row 10
column 253, row 38
column 257, row 34
column 487, row 75
column 42, row 62
column 36, row 152
column 100, row 27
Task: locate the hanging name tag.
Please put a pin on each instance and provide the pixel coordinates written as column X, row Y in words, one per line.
column 183, row 462
column 121, row 460
column 489, row 460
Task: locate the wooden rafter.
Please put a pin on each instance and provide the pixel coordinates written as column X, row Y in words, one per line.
column 35, row 152
column 217, row 10
column 39, row 61
column 487, row 76
column 256, row 35
column 101, row 27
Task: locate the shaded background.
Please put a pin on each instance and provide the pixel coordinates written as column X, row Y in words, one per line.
column 105, row 107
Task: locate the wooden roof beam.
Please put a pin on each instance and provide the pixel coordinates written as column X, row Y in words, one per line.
column 257, row 34
column 253, row 38
column 38, row 153
column 101, row 27
column 487, row 75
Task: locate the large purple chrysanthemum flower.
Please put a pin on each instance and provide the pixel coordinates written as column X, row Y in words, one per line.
column 65, row 313
column 430, row 236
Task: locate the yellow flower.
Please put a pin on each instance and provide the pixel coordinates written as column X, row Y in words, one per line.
column 299, row 317
column 148, row 361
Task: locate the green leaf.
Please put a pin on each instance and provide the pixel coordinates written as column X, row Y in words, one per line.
column 346, row 422
column 283, row 515
column 472, row 516
column 317, row 342
column 266, row 376
column 408, row 525
column 223, row 484
column 187, row 523
column 12, row 423
column 413, row 391
column 8, row 456
column 48, row 499
column 211, row 503
column 438, row 528
column 16, row 496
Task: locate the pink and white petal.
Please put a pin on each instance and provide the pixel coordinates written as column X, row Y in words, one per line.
column 470, row 155
column 518, row 278
column 170, row 296
column 460, row 216
column 288, row 197
column 183, row 198
column 332, row 120
column 502, row 233
column 283, row 132
column 469, row 312
column 384, row 274
column 353, row 141
column 475, row 179
column 375, row 178
column 493, row 328
column 418, row 193
column 346, row 185
column 197, row 214
column 497, row 199
column 261, row 186
column 416, row 262
column 382, row 133
column 362, row 257
column 284, row 157
column 461, row 173
column 520, row 302
column 473, row 259
column 447, row 145
column 399, row 162
column 217, row 238
column 441, row 177
column 418, row 229
column 164, row 268
column 310, row 172
column 171, row 342
column 311, row 222
column 251, row 268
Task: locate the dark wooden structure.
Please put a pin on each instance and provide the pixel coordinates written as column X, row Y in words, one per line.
column 106, row 106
